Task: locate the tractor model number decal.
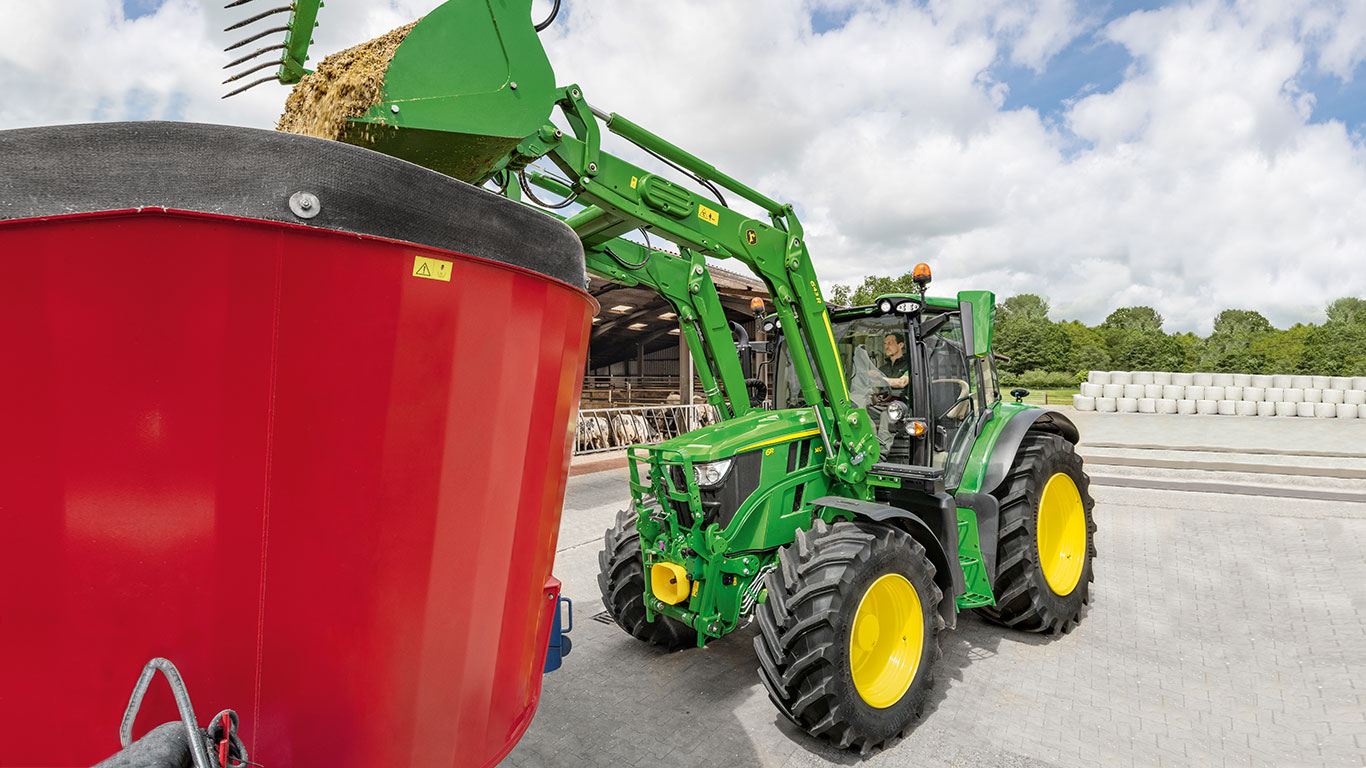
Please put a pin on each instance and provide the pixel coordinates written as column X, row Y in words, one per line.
column 815, row 289
column 708, row 215
column 432, row 269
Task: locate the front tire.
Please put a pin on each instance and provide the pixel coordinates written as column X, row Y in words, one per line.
column 621, row 578
column 1047, row 538
column 849, row 635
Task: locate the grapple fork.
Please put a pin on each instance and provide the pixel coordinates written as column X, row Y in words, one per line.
column 298, row 35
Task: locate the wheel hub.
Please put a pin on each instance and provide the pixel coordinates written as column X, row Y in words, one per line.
column 886, row 641
column 1061, row 533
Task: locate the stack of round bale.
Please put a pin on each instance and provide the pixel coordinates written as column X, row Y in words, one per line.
column 1224, row 394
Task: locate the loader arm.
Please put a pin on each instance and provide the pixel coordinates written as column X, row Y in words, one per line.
column 620, row 196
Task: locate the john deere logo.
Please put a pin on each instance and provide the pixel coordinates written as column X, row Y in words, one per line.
column 751, row 237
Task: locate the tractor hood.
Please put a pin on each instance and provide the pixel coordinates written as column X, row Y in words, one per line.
column 751, row 432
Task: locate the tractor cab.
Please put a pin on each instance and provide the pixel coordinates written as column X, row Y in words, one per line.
column 916, row 368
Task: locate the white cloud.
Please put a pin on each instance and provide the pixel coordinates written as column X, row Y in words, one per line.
column 1197, row 183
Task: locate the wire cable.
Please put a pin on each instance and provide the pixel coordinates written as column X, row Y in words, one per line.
column 526, row 190
column 553, row 13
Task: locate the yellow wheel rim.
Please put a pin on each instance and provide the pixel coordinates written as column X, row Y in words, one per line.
column 1062, row 534
column 886, row 640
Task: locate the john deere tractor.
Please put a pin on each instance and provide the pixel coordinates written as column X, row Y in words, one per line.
column 890, row 488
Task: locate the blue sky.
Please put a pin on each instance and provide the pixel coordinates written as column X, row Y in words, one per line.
column 136, row 9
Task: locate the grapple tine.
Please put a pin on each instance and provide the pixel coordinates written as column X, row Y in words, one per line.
column 259, row 16
column 248, row 86
column 246, row 72
column 236, row 3
column 253, row 55
column 256, row 37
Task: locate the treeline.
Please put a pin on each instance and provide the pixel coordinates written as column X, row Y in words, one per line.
column 1047, row 353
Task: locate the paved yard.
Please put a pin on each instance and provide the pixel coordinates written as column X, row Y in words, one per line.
column 1224, row 630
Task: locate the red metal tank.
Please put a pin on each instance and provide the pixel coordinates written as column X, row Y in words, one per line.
column 315, row 461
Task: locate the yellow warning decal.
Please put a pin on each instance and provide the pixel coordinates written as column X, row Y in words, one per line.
column 708, row 215
column 633, row 182
column 695, row 586
column 432, row 269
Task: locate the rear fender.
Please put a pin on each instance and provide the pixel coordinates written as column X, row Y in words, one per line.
column 1008, row 440
column 948, row 574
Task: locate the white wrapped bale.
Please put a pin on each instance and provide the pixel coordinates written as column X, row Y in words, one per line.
column 1287, row 409
column 1233, row 393
column 1152, row 390
column 1275, row 395
column 1354, row 397
column 1305, row 410
column 1105, row 404
column 1147, row 405
column 1222, row 379
column 1227, row 408
column 1098, row 377
column 1204, row 379
column 1259, row 380
column 1207, row 407
column 1334, row 396
column 1312, row 395
column 1242, row 380
column 1133, row 391
column 1092, row 390
column 1294, row 395
column 1323, row 382
column 1359, row 382
column 1265, row 409
column 1112, row 390
column 1143, row 377
column 1173, row 392
column 1347, row 411
column 1254, row 394
column 1302, row 382
column 1083, row 403
column 1194, row 392
column 1325, row 410
column 1166, row 405
column 1244, row 408
column 1121, row 377
column 1282, row 381
column 1214, row 393
column 1187, row 379
column 1127, row 404
column 1340, row 383
column 1185, row 406
column 1162, row 378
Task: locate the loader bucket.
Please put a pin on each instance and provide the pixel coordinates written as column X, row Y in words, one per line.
column 465, row 86
column 294, row 415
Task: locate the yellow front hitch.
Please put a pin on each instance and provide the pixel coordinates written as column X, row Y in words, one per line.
column 670, row 582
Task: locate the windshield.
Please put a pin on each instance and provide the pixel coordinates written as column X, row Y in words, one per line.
column 874, row 356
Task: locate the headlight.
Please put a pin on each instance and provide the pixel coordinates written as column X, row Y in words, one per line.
column 896, row 410
column 710, row 474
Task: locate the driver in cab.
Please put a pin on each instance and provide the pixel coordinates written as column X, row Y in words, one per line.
column 894, row 374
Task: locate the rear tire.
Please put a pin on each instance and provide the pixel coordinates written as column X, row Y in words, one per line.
column 621, row 577
column 1045, row 592
column 823, row 660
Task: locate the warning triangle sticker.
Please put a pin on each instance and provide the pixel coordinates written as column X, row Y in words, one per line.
column 422, row 271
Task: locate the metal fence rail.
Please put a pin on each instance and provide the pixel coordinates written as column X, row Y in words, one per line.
column 610, row 429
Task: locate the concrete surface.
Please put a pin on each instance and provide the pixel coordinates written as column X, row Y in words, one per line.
column 1225, row 629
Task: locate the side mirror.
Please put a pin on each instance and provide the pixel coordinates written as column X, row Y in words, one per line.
column 1019, row 394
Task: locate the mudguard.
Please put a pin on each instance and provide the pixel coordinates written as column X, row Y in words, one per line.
column 948, row 573
column 1008, row 443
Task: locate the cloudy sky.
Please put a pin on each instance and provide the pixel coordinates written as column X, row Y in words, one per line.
column 1190, row 156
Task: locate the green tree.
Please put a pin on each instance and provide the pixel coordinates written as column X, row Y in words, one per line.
column 1088, row 347
column 1347, row 310
column 1026, row 335
column 1229, row 349
column 872, row 287
column 1338, row 347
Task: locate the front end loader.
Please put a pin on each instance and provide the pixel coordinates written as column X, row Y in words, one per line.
column 889, row 488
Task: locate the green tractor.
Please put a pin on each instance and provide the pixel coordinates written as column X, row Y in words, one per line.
column 890, row 488
column 974, row 502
